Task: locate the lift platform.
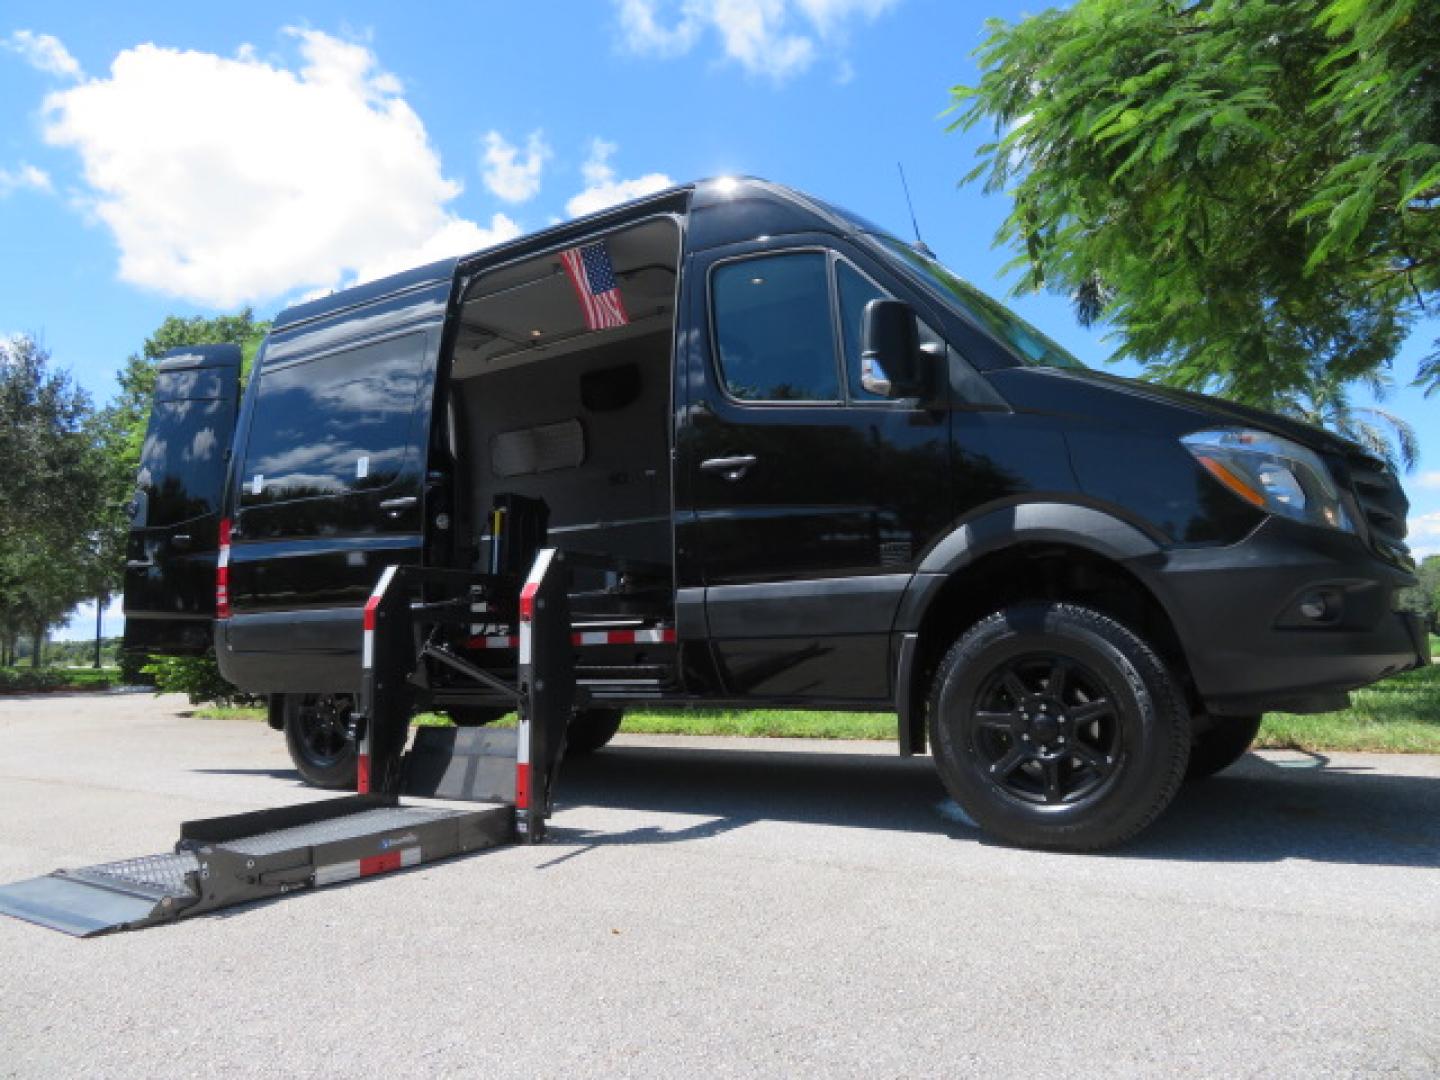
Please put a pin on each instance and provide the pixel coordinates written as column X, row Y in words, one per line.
column 451, row 792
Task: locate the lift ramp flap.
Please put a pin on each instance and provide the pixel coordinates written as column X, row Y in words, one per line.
column 477, row 789
column 220, row 862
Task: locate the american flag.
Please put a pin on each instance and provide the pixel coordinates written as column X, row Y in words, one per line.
column 593, row 276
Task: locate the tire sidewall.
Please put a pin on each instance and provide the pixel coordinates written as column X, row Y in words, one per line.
column 1152, row 722
column 591, row 729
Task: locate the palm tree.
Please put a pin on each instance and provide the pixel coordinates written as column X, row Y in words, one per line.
column 1325, row 402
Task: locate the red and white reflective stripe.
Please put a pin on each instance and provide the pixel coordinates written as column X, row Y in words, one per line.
column 367, row 660
column 527, row 600
column 660, row 635
column 222, row 573
column 522, row 760
column 367, row 867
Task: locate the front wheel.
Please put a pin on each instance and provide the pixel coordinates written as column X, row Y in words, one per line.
column 1054, row 726
column 317, row 733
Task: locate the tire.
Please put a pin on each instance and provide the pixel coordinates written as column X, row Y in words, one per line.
column 476, row 715
column 1222, row 745
column 1056, row 727
column 316, row 735
column 590, row 729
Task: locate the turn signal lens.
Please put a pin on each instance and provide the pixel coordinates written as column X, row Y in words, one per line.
column 1233, row 482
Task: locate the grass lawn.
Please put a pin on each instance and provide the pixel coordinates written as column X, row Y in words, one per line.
column 1399, row 715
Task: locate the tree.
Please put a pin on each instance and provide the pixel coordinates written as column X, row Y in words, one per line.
column 1248, row 190
column 1424, row 597
column 52, row 485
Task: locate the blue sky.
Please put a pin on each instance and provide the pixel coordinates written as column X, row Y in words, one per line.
column 193, row 158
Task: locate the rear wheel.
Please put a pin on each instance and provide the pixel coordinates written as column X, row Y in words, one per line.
column 317, row 733
column 1221, row 745
column 1054, row 726
column 590, row 729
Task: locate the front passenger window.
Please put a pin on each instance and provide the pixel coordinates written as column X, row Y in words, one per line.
column 856, row 290
column 773, row 328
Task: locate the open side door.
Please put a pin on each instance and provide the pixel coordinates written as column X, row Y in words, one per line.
column 171, row 553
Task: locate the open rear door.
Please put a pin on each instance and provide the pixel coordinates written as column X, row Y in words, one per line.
column 175, row 522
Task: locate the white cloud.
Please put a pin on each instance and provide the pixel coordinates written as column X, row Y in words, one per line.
column 44, row 53
column 644, row 33
column 1424, row 535
column 25, row 177
column 229, row 180
column 774, row 38
column 506, row 173
column 1429, row 480
column 603, row 188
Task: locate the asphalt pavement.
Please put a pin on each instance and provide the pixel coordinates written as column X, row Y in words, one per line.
column 728, row 907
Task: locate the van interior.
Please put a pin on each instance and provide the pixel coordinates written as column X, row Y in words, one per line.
column 561, row 422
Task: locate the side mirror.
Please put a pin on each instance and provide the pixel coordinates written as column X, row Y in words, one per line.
column 891, row 363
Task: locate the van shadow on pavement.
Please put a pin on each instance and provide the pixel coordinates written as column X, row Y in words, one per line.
column 1257, row 811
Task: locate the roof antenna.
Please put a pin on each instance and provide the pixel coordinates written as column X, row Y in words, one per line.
column 920, row 244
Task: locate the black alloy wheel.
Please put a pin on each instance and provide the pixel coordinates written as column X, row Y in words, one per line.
column 1055, row 726
column 317, row 733
column 1046, row 730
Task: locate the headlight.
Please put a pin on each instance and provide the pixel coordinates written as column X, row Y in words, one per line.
column 1271, row 474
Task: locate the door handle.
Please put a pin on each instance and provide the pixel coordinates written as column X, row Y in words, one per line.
column 139, row 564
column 405, row 502
column 731, row 468
column 180, row 540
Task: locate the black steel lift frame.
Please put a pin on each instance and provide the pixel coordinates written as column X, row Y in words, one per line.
column 468, row 789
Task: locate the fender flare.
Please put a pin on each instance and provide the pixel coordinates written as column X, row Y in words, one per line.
column 1097, row 531
column 1072, row 524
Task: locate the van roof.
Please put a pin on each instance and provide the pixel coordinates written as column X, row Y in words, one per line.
column 445, row 269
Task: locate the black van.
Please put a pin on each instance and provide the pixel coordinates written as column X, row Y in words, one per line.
column 834, row 475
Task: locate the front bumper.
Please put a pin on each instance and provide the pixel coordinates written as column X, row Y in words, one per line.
column 1246, row 617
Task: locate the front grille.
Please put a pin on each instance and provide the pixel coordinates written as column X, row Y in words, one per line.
column 1381, row 502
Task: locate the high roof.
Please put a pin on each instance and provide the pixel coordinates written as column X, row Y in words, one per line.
column 697, row 195
column 444, row 269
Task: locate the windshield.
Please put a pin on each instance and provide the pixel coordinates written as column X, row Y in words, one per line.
column 1029, row 345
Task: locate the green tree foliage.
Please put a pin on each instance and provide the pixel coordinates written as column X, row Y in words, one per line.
column 53, row 484
column 1424, row 597
column 197, row 677
column 1248, row 190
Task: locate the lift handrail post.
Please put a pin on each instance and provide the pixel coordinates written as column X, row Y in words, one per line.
column 547, row 690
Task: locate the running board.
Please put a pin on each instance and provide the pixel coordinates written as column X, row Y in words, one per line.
column 222, row 862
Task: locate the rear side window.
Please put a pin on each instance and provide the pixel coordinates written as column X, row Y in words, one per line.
column 773, row 329
column 182, row 461
column 336, row 424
